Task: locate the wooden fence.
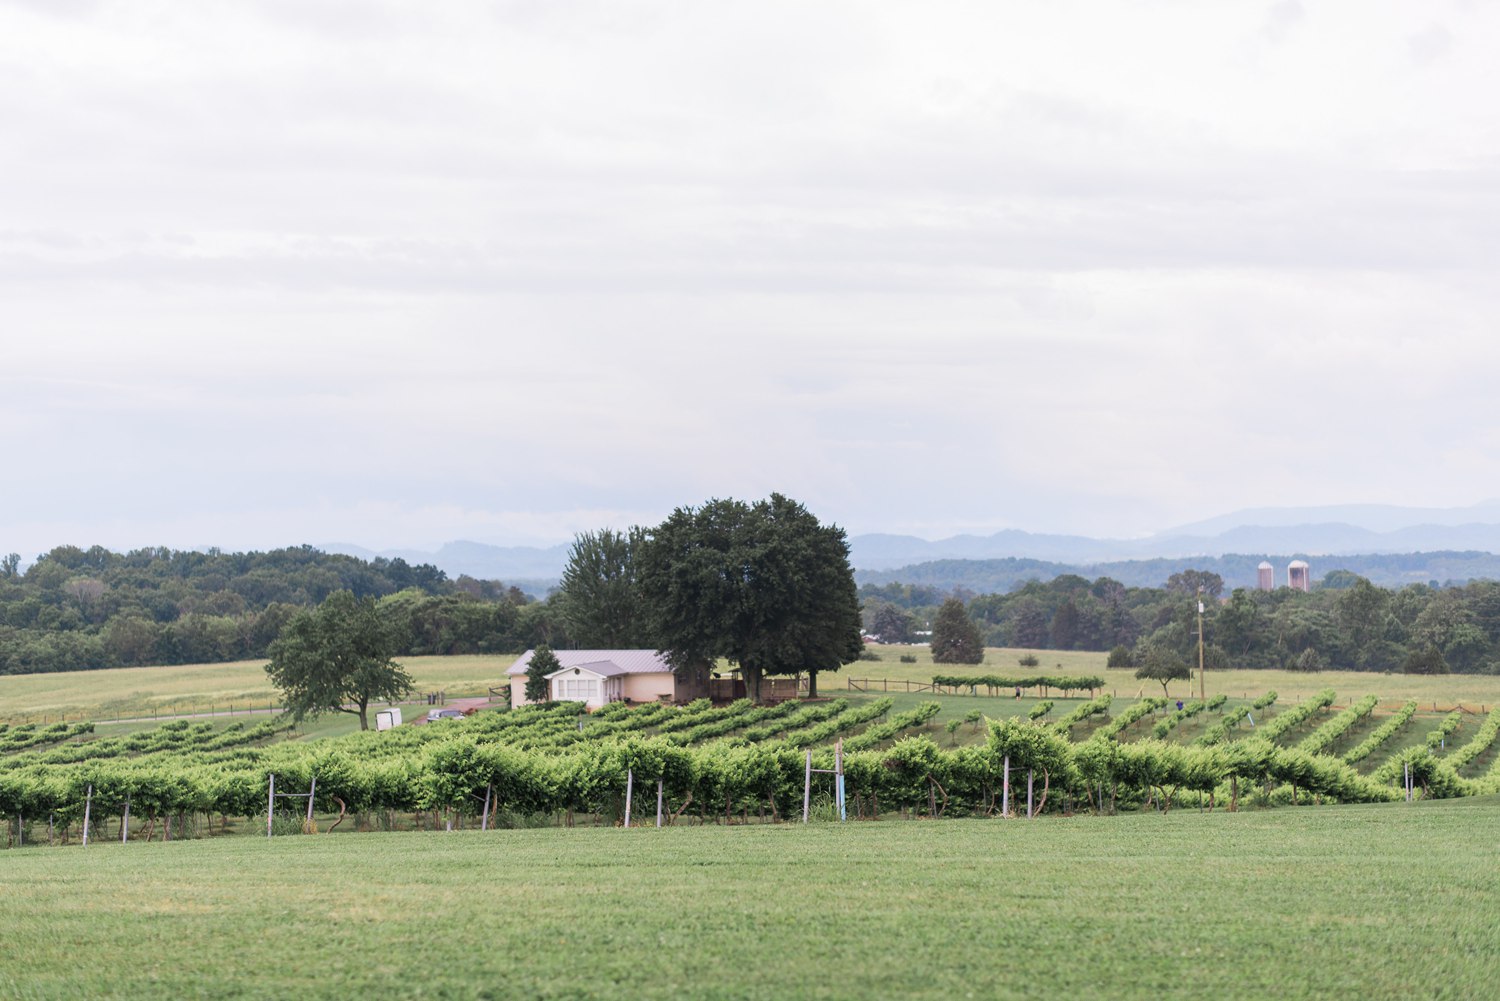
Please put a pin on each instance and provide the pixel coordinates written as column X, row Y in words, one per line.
column 870, row 685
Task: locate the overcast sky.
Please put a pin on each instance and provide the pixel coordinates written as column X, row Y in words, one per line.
column 396, row 273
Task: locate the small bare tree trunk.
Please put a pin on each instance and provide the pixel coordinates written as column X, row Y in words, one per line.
column 1046, row 785
column 672, row 817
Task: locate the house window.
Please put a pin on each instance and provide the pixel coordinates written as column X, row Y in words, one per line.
column 582, row 689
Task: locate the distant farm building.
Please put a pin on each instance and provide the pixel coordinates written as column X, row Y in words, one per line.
column 597, row 677
column 1299, row 575
column 1265, row 577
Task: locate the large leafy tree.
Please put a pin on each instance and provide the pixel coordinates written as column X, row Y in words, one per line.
column 1164, row 666
column 891, row 623
column 1448, row 625
column 1237, row 624
column 600, row 602
column 1027, row 625
column 955, row 637
column 1065, row 626
column 1360, row 611
column 1191, row 582
column 806, row 603
column 337, row 658
column 692, row 579
column 764, row 585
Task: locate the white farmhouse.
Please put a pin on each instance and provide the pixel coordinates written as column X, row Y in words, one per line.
column 596, row 677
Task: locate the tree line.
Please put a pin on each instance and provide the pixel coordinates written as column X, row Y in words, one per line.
column 1345, row 623
column 764, row 585
column 77, row 609
column 982, row 576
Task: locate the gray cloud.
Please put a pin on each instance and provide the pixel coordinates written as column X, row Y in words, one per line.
column 395, row 273
column 1282, row 18
column 1430, row 44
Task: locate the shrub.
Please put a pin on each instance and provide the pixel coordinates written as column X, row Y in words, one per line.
column 1028, row 660
column 1450, row 724
column 1308, row 660
column 1120, row 656
column 1428, row 661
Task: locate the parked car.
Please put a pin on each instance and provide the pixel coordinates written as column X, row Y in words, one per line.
column 438, row 714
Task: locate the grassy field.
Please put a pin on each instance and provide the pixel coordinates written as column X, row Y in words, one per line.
column 142, row 691
column 1373, row 902
column 1448, row 689
column 135, row 691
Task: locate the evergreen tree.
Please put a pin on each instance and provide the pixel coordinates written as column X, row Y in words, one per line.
column 543, row 663
column 1028, row 624
column 955, row 637
column 1065, row 626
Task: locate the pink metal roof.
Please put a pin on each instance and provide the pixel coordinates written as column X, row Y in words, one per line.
column 622, row 661
column 603, row 668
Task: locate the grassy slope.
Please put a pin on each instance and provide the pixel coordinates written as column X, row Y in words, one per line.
column 1388, row 901
column 184, row 688
column 127, row 691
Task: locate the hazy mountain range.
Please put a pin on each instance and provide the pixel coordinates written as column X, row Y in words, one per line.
column 531, row 568
column 1326, row 531
column 1450, row 539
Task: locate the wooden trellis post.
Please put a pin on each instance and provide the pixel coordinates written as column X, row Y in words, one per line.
column 837, row 771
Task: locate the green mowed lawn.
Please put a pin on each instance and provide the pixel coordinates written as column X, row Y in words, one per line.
column 1360, row 902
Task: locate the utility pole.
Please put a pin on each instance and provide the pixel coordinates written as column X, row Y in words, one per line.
column 1202, row 682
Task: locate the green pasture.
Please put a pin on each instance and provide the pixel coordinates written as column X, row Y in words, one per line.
column 195, row 688
column 1391, row 901
column 201, row 688
column 1445, row 690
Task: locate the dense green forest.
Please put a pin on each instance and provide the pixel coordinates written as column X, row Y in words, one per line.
column 77, row 609
column 1346, row 623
